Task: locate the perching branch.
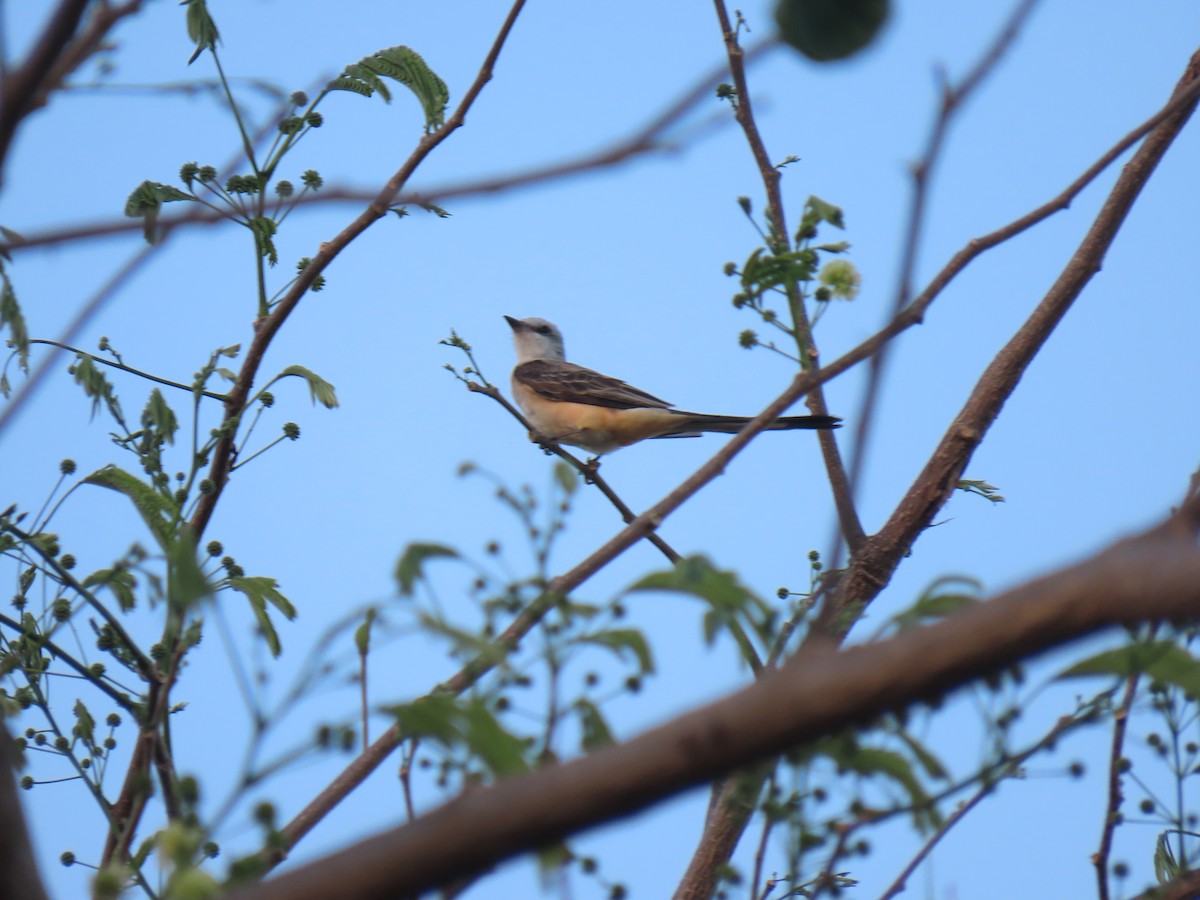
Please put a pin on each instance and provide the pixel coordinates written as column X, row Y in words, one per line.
column 590, row 472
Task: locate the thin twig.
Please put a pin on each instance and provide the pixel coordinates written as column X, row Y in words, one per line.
column 1116, row 795
column 124, row 368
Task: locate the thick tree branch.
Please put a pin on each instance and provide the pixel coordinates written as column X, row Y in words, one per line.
column 19, row 877
column 1154, row 576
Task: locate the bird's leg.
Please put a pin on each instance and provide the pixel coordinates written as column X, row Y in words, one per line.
column 590, row 468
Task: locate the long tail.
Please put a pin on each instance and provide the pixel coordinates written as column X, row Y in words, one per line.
column 692, row 424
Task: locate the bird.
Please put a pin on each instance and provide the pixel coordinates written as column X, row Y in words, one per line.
column 569, row 404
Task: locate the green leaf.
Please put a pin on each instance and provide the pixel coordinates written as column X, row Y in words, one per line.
column 874, row 762
column 620, row 640
column 159, row 416
column 404, row 65
column 412, row 560
column 1161, row 660
column 456, row 723
column 186, row 583
column 156, row 510
column 728, row 597
column 565, row 476
column 145, row 203
column 85, row 725
column 362, row 634
column 1166, row 867
column 936, row 603
column 120, row 582
column 260, row 591
column 264, row 229
column 594, row 727
column 26, row 580
column 11, row 316
column 466, row 643
column 319, row 389
column 696, row 575
column 201, row 28
column 825, row 30
column 817, row 210
column 931, row 764
column 96, row 386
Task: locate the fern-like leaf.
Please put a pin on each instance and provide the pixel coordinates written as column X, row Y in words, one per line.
column 402, row 64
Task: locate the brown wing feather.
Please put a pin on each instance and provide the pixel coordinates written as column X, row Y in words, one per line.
column 569, row 383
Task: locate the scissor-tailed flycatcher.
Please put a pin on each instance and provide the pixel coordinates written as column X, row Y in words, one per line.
column 572, row 405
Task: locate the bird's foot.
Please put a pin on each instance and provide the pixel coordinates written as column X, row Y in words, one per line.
column 590, row 468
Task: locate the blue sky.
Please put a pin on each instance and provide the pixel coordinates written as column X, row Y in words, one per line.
column 1098, row 440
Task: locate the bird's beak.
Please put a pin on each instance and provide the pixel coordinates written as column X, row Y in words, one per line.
column 514, row 324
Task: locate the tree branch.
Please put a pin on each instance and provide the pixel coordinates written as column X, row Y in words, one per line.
column 19, row 877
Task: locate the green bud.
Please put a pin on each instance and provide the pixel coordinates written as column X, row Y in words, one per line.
column 299, row 98
column 67, row 467
column 312, row 179
column 747, row 339
column 67, row 858
column 214, row 548
column 314, row 119
column 284, row 189
column 291, row 431
column 112, row 720
column 188, row 173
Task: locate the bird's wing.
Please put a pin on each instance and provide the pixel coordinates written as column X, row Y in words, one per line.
column 568, row 383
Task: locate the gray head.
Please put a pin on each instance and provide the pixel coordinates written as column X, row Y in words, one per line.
column 536, row 339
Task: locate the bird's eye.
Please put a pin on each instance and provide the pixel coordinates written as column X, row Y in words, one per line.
column 543, row 329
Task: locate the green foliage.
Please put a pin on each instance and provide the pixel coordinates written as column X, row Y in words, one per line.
column 404, row 65
column 732, row 606
column 593, row 727
column 11, row 318
column 96, row 386
column 946, row 595
column 158, row 511
column 261, row 591
column 464, row 723
column 825, row 30
column 410, row 566
column 623, row 640
column 201, row 28
column 119, row 581
column 145, row 203
column 319, row 389
column 1165, row 661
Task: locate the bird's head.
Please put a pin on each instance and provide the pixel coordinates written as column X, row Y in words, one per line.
column 536, row 339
